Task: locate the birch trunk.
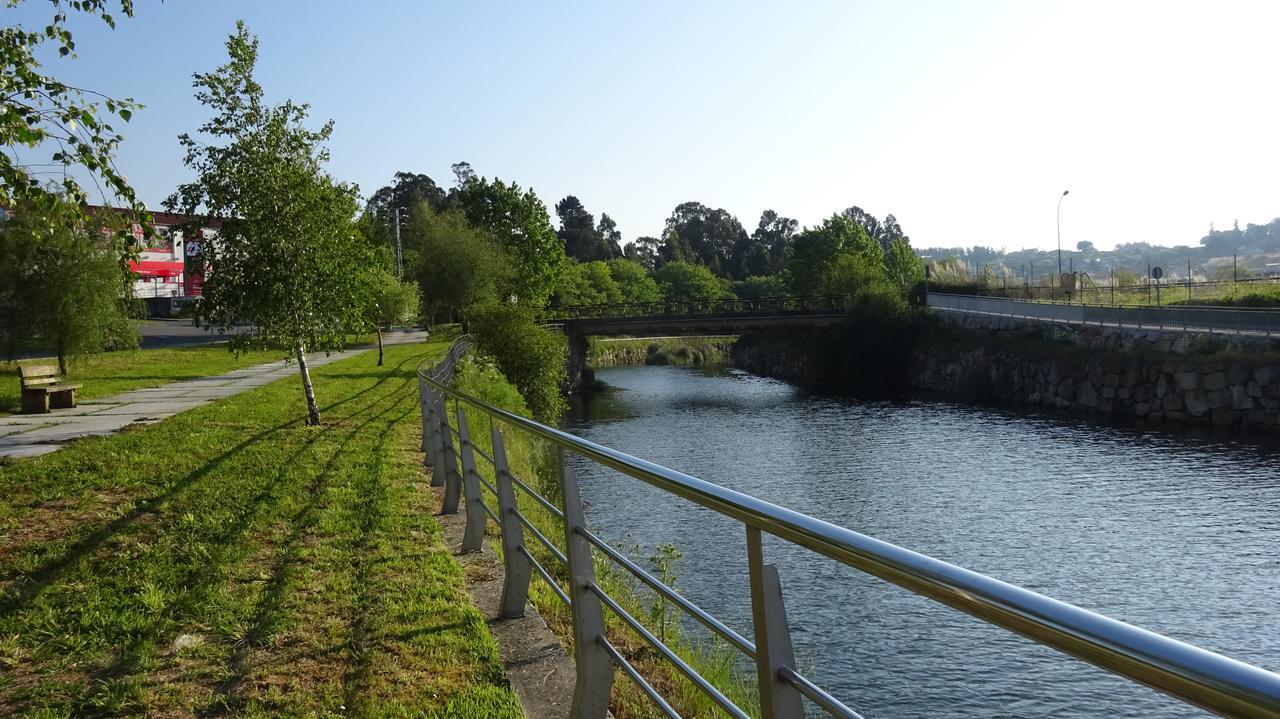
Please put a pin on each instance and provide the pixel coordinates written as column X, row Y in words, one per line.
column 313, row 411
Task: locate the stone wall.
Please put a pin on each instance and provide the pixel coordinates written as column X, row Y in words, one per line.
column 1158, row 376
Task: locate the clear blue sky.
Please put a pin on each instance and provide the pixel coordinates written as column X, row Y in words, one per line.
column 965, row 120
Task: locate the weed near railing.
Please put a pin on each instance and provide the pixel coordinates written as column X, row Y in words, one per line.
column 532, row 461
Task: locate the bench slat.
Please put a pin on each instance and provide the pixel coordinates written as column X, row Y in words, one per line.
column 32, row 382
column 37, row 370
column 53, row 388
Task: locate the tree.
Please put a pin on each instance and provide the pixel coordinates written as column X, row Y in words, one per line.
column 1086, row 246
column 587, row 283
column 405, row 191
column 635, row 285
column 644, row 251
column 63, row 283
column 773, row 233
column 759, row 287
column 39, row 111
column 686, row 282
column 582, row 241
column 884, row 233
column 287, row 260
column 902, row 266
column 393, row 303
column 815, row 253
column 463, row 175
column 518, row 220
column 612, row 237
column 698, row 233
column 459, row 265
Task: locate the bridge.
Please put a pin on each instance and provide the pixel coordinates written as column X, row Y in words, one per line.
column 729, row 316
column 525, row 514
column 669, row 319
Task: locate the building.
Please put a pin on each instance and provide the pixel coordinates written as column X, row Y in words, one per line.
column 168, row 263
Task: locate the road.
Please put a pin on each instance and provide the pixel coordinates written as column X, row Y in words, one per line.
column 174, row 333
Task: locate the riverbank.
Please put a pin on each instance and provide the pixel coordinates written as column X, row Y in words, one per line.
column 533, row 463
column 1156, row 376
column 623, row 351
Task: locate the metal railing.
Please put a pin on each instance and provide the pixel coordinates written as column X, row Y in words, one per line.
column 1196, row 676
column 734, row 306
column 1166, row 317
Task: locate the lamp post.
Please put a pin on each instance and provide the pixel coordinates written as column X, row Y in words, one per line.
column 1064, row 194
column 399, row 249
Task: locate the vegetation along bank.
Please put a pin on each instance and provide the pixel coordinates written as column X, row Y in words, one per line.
column 619, row 351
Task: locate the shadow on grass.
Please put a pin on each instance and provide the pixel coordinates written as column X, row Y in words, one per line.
column 28, row 586
column 121, row 676
column 229, row 696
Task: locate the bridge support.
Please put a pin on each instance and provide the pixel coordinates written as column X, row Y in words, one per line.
column 577, row 376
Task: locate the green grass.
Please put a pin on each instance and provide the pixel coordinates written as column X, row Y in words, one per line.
column 230, row 561
column 123, row 370
column 115, row 372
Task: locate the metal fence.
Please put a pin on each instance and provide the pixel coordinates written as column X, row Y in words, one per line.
column 1145, row 290
column 733, row 306
column 1193, row 675
column 1168, row 317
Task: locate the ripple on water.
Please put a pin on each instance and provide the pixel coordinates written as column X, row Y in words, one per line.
column 1169, row 531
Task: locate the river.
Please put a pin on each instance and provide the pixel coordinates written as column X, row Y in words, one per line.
column 1166, row 530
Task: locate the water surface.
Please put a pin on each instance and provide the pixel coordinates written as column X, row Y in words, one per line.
column 1169, row 531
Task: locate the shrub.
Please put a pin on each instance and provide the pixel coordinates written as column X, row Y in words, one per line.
column 530, row 355
column 481, row 378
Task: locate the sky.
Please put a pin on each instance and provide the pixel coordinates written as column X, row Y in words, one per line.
column 966, row 121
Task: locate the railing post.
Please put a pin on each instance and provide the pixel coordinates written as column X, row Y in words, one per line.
column 473, row 535
column 438, row 474
column 426, row 421
column 593, row 664
column 778, row 699
column 515, row 577
column 449, row 459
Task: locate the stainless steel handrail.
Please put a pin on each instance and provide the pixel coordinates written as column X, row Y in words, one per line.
column 1194, row 675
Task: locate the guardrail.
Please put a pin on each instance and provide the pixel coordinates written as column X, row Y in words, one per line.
column 763, row 306
column 1196, row 676
column 1166, row 317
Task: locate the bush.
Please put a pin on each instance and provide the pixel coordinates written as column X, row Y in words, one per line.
column 531, row 356
column 481, row 378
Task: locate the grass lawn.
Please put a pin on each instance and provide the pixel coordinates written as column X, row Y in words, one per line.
column 230, row 561
column 115, row 372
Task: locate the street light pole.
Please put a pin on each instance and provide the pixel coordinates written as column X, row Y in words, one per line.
column 399, row 249
column 1064, row 194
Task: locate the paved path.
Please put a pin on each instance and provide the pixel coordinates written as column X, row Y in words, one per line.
column 31, row 435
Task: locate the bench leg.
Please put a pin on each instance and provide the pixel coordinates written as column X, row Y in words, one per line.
column 35, row 402
column 63, row 400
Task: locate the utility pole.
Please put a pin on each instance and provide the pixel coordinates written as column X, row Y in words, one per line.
column 1064, row 194
column 399, row 249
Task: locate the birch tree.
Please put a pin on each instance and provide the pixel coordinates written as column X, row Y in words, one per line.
column 287, row 260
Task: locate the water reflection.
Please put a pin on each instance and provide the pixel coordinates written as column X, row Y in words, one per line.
column 1173, row 531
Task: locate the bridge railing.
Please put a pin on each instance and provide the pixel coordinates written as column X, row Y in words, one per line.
column 1196, row 676
column 734, row 306
column 1173, row 317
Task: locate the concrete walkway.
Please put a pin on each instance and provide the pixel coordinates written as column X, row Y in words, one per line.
column 31, row 435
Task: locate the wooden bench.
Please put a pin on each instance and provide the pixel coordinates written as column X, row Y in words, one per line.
column 41, row 389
